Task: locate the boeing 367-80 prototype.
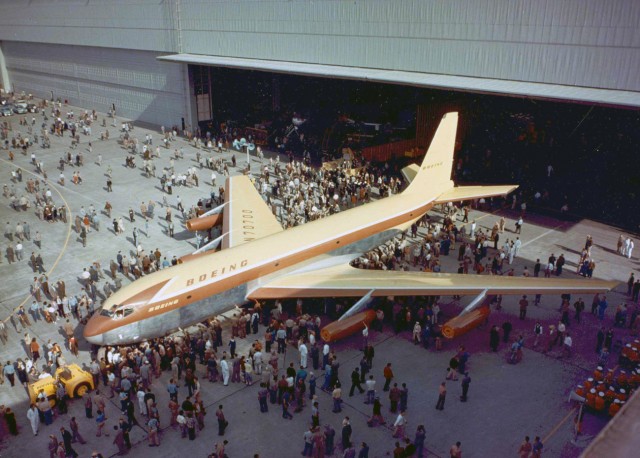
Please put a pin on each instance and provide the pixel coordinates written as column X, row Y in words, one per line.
column 260, row 260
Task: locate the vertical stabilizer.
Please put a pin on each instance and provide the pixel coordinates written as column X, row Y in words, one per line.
column 434, row 176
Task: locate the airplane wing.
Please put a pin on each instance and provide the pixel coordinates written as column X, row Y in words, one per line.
column 347, row 281
column 473, row 192
column 246, row 216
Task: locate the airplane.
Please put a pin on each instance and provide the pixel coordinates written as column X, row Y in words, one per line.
column 260, row 260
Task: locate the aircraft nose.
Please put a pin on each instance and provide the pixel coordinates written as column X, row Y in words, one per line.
column 95, row 329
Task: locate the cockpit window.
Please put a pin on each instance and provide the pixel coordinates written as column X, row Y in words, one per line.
column 116, row 312
column 129, row 305
column 123, row 312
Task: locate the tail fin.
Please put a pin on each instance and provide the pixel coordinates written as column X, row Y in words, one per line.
column 434, row 176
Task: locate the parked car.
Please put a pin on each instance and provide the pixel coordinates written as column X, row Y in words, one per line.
column 6, row 110
column 18, row 109
column 32, row 108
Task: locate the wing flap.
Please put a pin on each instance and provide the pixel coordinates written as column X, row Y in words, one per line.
column 347, row 281
column 246, row 215
column 473, row 192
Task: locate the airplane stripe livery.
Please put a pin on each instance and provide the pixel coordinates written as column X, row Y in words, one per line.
column 260, row 260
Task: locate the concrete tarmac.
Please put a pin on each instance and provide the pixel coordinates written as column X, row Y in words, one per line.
column 506, row 402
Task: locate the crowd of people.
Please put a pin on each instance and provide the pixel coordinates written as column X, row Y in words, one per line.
column 297, row 193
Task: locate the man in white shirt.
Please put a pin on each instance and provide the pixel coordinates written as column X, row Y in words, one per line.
column 371, row 390
column 257, row 362
column 34, row 418
column 517, row 245
column 568, row 343
column 399, row 425
column 365, row 335
column 325, row 355
column 303, row 355
column 224, row 368
column 561, row 331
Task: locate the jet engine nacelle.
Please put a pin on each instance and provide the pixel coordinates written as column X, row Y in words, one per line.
column 204, row 223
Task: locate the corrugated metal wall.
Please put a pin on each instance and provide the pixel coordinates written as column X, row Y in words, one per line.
column 140, row 86
column 576, row 42
column 590, row 43
column 124, row 24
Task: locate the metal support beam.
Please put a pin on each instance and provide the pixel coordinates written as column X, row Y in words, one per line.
column 475, row 303
column 355, row 308
column 212, row 245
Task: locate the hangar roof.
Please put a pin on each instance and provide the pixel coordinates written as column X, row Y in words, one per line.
column 437, row 81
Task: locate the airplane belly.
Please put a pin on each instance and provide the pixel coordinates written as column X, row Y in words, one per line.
column 123, row 334
column 170, row 321
column 212, row 305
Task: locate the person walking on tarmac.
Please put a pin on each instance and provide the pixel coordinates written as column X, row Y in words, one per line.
column 355, row 382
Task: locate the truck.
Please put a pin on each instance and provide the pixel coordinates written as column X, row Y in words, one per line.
column 76, row 382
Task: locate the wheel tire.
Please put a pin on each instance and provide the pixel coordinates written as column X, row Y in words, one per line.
column 81, row 390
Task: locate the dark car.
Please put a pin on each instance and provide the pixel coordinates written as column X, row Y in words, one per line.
column 6, row 110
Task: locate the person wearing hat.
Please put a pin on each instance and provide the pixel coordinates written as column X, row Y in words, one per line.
column 376, row 416
column 622, row 378
column 355, row 382
column 371, row 390
column 551, row 338
column 466, row 381
column 417, row 331
column 399, row 425
column 329, row 437
column 599, row 402
column 621, row 395
column 66, row 439
column 347, row 430
column 262, row 398
column 145, row 373
column 53, row 445
column 312, row 384
column 610, row 395
column 588, row 384
column 315, row 414
column 598, row 373
column 591, row 398
column 442, row 395
column 614, row 407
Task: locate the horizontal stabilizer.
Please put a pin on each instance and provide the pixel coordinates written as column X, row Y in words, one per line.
column 473, row 192
column 409, row 172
